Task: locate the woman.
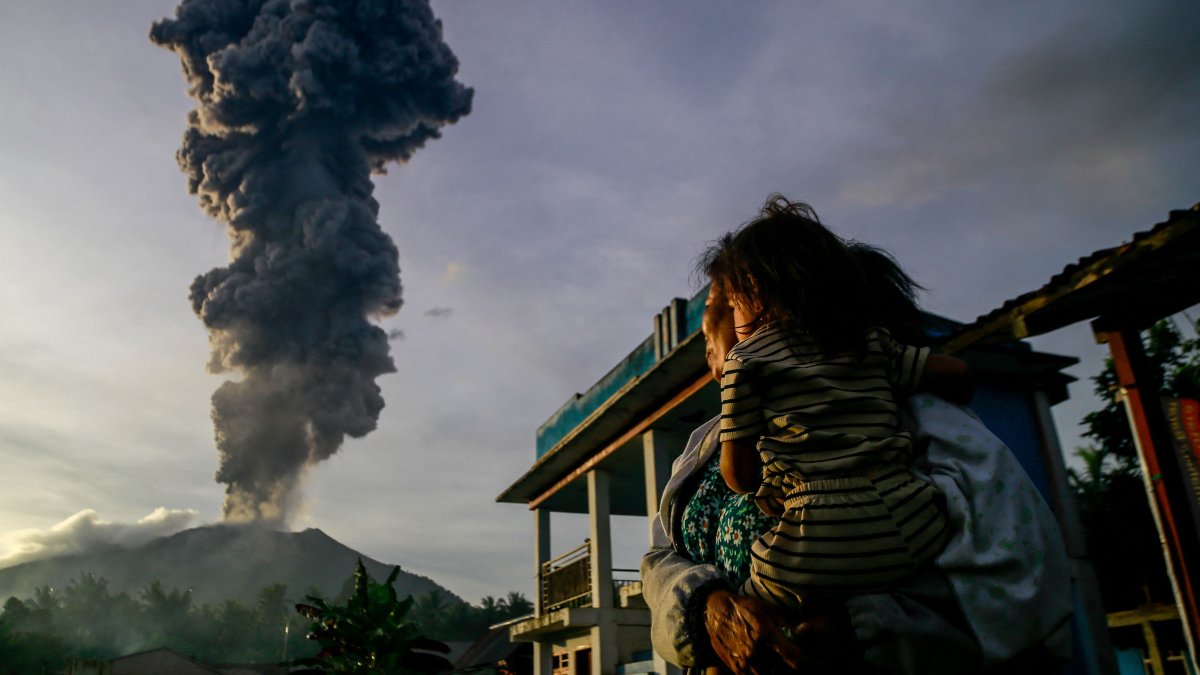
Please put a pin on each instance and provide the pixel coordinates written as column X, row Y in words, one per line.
column 982, row 607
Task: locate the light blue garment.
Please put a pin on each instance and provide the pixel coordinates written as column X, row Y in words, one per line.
column 1007, row 561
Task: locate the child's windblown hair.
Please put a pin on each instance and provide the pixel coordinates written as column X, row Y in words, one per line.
column 785, row 266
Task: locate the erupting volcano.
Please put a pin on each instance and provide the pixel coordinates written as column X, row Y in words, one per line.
column 298, row 102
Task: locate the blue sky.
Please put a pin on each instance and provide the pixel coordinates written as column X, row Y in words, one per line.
column 986, row 145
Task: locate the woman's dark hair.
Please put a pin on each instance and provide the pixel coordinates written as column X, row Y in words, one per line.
column 891, row 300
column 807, row 278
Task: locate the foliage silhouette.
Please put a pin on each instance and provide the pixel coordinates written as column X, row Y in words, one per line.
column 370, row 633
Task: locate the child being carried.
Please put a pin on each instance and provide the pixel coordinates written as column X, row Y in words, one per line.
column 809, row 415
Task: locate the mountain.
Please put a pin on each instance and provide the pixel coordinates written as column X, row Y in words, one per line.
column 217, row 562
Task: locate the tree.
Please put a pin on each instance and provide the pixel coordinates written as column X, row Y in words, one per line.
column 94, row 619
column 25, row 652
column 370, row 633
column 1121, row 535
column 515, row 604
column 429, row 612
column 166, row 615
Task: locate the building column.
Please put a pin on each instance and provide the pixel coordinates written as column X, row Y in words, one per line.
column 657, row 460
column 599, row 513
column 605, row 650
column 543, row 652
column 541, row 554
column 604, row 634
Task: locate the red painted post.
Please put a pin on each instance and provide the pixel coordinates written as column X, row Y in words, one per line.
column 1168, row 499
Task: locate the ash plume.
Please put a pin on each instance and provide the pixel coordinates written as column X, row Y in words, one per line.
column 298, row 102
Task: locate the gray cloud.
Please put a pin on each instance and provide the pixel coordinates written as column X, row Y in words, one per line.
column 1098, row 107
column 439, row 312
column 297, row 104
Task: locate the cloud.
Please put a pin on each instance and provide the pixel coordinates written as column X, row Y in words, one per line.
column 439, row 312
column 86, row 530
column 453, row 271
column 395, row 334
column 1093, row 111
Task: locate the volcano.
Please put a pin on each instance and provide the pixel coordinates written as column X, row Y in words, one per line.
column 218, row 563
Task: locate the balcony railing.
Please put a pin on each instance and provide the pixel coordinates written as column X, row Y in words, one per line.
column 566, row 581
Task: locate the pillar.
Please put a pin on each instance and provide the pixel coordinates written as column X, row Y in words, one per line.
column 657, row 465
column 543, row 652
column 599, row 514
column 604, row 634
column 541, row 553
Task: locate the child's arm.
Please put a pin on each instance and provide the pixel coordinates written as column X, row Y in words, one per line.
column 741, row 426
column 740, row 464
column 947, row 377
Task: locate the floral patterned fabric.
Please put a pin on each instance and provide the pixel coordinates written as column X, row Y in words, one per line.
column 719, row 524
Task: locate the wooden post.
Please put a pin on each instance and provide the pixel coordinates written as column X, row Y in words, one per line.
column 1164, row 482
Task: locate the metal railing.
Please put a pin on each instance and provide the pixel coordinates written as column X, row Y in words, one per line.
column 566, row 581
column 631, row 577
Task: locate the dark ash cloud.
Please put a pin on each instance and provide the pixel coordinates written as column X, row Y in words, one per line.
column 298, row 102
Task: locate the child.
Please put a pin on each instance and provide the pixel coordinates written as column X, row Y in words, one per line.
column 809, row 419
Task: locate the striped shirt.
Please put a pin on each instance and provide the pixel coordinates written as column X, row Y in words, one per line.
column 835, row 463
column 819, row 415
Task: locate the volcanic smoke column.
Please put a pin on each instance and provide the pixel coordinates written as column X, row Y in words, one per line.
column 298, row 102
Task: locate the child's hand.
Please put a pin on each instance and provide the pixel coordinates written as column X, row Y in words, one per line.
column 949, row 378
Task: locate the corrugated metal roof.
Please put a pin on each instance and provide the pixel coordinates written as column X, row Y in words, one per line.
column 1173, row 243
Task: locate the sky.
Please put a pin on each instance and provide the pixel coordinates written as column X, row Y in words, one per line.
column 986, row 145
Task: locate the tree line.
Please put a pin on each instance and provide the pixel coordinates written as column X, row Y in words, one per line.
column 88, row 620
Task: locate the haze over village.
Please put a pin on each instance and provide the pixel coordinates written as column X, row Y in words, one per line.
column 562, row 207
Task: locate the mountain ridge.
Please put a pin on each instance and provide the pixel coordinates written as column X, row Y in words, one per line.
column 217, row 562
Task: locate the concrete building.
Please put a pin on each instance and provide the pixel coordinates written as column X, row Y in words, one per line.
column 608, row 452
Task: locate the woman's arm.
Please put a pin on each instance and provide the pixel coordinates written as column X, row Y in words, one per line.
column 697, row 620
column 676, row 590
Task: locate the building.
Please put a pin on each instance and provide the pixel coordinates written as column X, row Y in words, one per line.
column 609, row 450
column 1122, row 291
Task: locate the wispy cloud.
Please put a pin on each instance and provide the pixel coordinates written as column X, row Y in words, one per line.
column 453, row 271
column 86, row 531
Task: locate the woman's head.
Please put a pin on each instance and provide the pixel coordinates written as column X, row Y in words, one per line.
column 717, row 326
column 785, row 266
